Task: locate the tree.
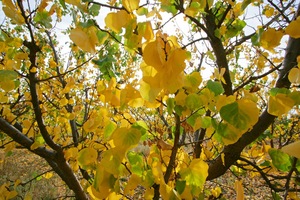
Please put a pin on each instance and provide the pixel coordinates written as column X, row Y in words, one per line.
column 131, row 104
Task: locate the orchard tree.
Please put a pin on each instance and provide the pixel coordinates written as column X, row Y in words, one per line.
column 157, row 97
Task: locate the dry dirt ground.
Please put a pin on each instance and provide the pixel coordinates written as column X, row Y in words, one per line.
column 26, row 166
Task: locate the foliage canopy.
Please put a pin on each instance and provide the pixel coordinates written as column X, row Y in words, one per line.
column 160, row 96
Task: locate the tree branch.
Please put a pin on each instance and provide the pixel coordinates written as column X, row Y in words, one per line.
column 232, row 152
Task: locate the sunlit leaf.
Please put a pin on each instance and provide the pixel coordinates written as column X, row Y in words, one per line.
column 292, row 149
column 111, row 160
column 168, row 192
column 43, row 18
column 154, row 54
column 238, row 186
column 48, row 175
column 117, row 21
column 145, row 30
column 294, row 75
column 12, row 12
column 87, row 157
column 192, row 81
column 126, row 137
column 280, row 104
column 271, row 38
column 293, row 28
column 193, row 101
column 86, row 39
column 131, row 5
column 195, row 174
column 280, row 160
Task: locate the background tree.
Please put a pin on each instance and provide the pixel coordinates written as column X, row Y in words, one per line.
column 160, row 95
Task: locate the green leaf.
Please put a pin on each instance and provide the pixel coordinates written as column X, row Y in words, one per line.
column 169, row 8
column 180, row 186
column 280, row 160
column 8, row 75
column 226, row 133
column 245, row 4
column 215, row 86
column 275, row 91
column 136, row 161
column 87, row 24
column 141, row 126
column 43, row 18
column 126, row 138
column 109, row 129
column 255, row 39
column 62, row 2
column 94, row 10
column 235, row 28
column 170, row 105
column 193, row 101
column 242, row 114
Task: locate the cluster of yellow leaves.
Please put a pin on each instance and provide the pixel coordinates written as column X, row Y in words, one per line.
column 271, row 37
column 12, row 11
column 164, row 63
column 116, row 97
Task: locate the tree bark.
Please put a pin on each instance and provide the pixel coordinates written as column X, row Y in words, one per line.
column 232, row 152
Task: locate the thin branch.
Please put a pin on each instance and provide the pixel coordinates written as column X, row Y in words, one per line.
column 252, row 78
column 171, row 163
column 106, row 6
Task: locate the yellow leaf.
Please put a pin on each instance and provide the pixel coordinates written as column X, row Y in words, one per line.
column 271, row 38
column 293, row 28
column 280, row 104
column 239, row 190
column 269, row 11
column 133, row 182
column 292, row 149
column 87, row 157
column 63, row 102
column 114, row 196
column 35, row 145
column 168, row 192
column 294, row 76
column 86, row 39
column 28, row 196
column 12, row 194
column 148, row 92
column 154, row 54
column 7, row 85
column 149, row 193
column 12, row 12
column 131, row 5
column 145, row 29
column 48, row 175
column 33, row 70
column 73, row 2
column 216, row 191
column 126, row 138
column 117, row 21
column 192, row 81
column 195, row 174
column 163, row 145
